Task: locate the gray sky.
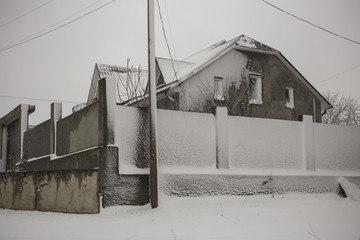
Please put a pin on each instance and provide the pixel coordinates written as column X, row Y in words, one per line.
column 60, row 64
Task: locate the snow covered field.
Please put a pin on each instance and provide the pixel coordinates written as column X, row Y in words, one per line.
column 289, row 216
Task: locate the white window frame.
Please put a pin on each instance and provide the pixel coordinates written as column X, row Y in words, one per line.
column 255, row 89
column 218, row 89
column 289, row 97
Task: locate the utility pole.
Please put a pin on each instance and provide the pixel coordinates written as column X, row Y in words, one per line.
column 152, row 108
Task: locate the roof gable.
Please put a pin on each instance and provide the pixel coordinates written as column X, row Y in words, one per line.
column 130, row 82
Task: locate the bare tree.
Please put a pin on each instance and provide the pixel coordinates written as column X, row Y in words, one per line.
column 233, row 94
column 345, row 111
column 131, row 83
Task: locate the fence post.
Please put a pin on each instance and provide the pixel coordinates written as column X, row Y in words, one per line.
column 107, row 105
column 222, row 137
column 308, row 147
column 56, row 114
column 24, row 123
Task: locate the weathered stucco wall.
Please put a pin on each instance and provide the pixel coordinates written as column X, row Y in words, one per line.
column 276, row 76
column 59, row 191
column 337, row 147
column 265, row 143
column 37, row 141
column 78, row 131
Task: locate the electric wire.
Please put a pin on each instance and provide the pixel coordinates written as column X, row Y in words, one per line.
column 61, row 26
column 168, row 20
column 167, row 44
column 336, row 75
column 39, row 99
column 312, row 24
column 24, row 14
column 30, row 36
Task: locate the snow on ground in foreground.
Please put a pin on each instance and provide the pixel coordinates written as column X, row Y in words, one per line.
column 289, row 216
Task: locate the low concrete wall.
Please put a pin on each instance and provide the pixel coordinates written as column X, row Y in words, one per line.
column 37, row 141
column 78, row 131
column 58, row 191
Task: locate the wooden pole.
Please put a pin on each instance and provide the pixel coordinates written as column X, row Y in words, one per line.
column 152, row 108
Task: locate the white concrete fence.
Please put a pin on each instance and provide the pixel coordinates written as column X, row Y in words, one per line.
column 204, row 143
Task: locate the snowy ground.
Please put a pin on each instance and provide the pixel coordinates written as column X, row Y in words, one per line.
column 289, row 216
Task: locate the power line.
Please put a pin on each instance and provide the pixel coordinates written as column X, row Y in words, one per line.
column 312, row 24
column 38, row 99
column 333, row 76
column 53, row 24
column 24, row 14
column 52, row 30
column 171, row 36
column 167, row 44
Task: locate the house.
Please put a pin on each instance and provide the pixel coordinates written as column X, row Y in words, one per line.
column 248, row 77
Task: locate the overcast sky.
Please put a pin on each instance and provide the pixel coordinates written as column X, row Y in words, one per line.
column 59, row 65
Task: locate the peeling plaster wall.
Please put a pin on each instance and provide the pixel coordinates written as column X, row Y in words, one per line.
column 275, row 78
column 337, row 147
column 59, row 191
column 265, row 143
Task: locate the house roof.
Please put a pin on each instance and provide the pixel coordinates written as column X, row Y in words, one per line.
column 198, row 61
column 130, row 82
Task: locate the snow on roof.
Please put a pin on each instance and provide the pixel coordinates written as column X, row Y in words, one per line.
column 201, row 59
column 245, row 41
column 130, row 82
column 167, row 67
